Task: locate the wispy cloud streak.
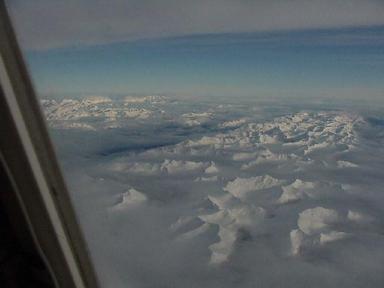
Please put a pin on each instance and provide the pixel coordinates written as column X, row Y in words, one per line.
column 44, row 24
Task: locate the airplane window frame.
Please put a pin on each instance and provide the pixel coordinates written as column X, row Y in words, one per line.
column 28, row 155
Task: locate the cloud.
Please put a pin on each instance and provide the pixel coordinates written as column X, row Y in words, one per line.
column 129, row 199
column 240, row 187
column 149, row 220
column 312, row 221
column 45, row 24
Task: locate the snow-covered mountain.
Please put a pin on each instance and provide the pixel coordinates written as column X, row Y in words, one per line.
column 96, row 112
column 237, row 198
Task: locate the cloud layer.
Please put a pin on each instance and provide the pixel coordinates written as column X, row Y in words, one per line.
column 282, row 199
column 44, row 24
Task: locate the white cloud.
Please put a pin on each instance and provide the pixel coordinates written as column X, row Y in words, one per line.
column 176, row 166
column 212, row 169
column 240, row 187
column 332, row 236
column 317, row 219
column 295, row 191
column 178, row 211
column 131, row 198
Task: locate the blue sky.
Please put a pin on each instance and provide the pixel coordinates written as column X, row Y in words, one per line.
column 298, row 48
column 313, row 63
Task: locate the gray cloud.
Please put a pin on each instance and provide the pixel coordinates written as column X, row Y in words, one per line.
column 45, row 24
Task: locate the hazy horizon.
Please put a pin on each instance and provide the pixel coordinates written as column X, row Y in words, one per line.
column 323, row 49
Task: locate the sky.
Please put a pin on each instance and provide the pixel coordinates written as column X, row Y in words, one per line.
column 223, row 48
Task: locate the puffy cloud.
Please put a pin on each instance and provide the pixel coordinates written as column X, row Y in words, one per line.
column 179, row 166
column 130, row 199
column 332, row 236
column 212, row 169
column 195, row 119
column 233, row 123
column 240, row 187
column 317, row 219
column 295, row 191
column 298, row 241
